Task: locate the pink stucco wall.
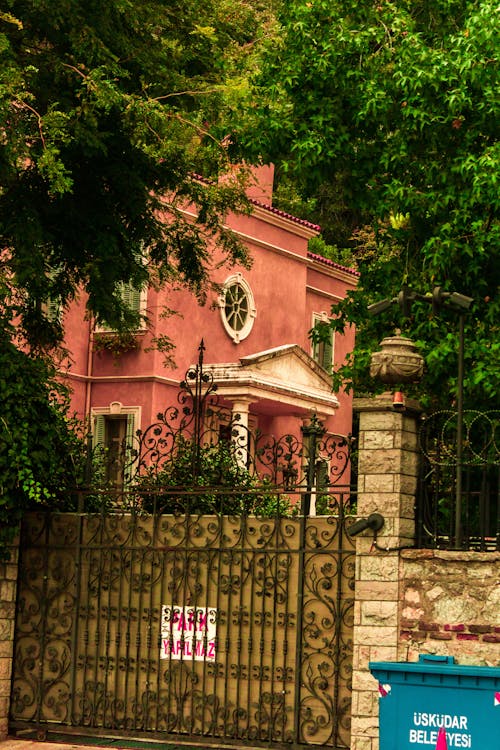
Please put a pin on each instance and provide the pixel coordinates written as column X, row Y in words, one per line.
column 288, row 286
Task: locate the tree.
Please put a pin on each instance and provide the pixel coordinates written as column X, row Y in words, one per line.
column 396, row 106
column 106, row 113
column 106, row 119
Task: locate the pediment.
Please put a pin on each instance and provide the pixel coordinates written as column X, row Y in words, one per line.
column 285, row 374
column 288, row 364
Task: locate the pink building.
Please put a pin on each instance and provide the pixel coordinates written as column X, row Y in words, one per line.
column 255, row 332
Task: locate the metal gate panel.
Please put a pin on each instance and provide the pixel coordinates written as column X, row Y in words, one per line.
column 186, row 626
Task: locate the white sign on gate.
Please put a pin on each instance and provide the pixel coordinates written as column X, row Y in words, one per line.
column 188, row 633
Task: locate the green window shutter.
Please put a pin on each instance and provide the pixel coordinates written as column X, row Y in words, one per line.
column 99, row 439
column 53, row 309
column 129, row 448
column 131, row 297
column 323, row 350
column 327, row 354
column 99, row 432
column 130, row 429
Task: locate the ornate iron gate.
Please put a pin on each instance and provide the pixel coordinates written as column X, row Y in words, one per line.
column 188, row 610
column 221, row 627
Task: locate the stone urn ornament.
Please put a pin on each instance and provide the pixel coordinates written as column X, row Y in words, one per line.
column 398, row 361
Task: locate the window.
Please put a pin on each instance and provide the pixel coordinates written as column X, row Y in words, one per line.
column 237, row 308
column 113, row 430
column 224, row 426
column 133, row 298
column 322, row 351
column 53, row 309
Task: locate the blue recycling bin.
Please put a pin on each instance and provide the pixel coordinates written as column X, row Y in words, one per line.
column 418, row 698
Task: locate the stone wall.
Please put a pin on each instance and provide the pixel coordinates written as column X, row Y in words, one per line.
column 8, row 580
column 450, row 604
column 387, row 481
column 408, row 601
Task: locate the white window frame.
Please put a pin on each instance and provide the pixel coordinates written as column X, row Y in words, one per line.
column 116, row 409
column 244, row 331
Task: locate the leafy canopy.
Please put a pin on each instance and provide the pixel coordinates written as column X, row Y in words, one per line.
column 396, row 107
column 106, row 118
column 106, row 112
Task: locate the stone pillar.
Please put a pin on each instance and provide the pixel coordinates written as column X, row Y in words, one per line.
column 387, row 481
column 8, row 583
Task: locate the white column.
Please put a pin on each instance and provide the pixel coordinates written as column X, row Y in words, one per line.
column 239, row 424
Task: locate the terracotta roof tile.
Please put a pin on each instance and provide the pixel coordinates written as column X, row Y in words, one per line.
column 268, row 207
column 285, row 215
column 332, row 263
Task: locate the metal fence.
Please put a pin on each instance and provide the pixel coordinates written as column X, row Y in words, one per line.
column 458, row 505
column 197, row 443
column 225, row 628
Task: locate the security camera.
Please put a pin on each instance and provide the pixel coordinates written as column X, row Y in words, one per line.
column 375, row 521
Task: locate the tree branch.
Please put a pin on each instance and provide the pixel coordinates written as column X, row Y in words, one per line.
column 19, row 104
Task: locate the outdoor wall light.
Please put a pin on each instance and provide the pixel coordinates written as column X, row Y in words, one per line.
column 438, row 298
column 375, row 521
column 455, row 300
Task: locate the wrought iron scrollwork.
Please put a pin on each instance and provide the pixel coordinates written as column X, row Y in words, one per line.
column 97, row 644
column 158, row 443
column 200, row 445
column 88, row 649
column 477, row 465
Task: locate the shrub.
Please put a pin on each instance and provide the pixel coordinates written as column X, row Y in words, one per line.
column 206, row 479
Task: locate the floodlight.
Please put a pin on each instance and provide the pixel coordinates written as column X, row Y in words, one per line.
column 460, row 301
column 378, row 307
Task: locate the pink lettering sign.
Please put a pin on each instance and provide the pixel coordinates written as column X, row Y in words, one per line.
column 188, row 633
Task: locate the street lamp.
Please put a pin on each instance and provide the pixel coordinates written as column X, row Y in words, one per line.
column 459, row 303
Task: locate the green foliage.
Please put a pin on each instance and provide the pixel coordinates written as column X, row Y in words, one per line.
column 206, row 479
column 41, row 454
column 395, row 106
column 287, row 197
column 115, row 342
column 107, row 120
column 106, row 117
column 342, row 255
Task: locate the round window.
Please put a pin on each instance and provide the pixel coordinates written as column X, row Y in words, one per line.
column 237, row 307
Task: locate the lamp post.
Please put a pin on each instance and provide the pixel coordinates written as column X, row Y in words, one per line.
column 460, row 303
column 460, row 429
column 313, row 432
